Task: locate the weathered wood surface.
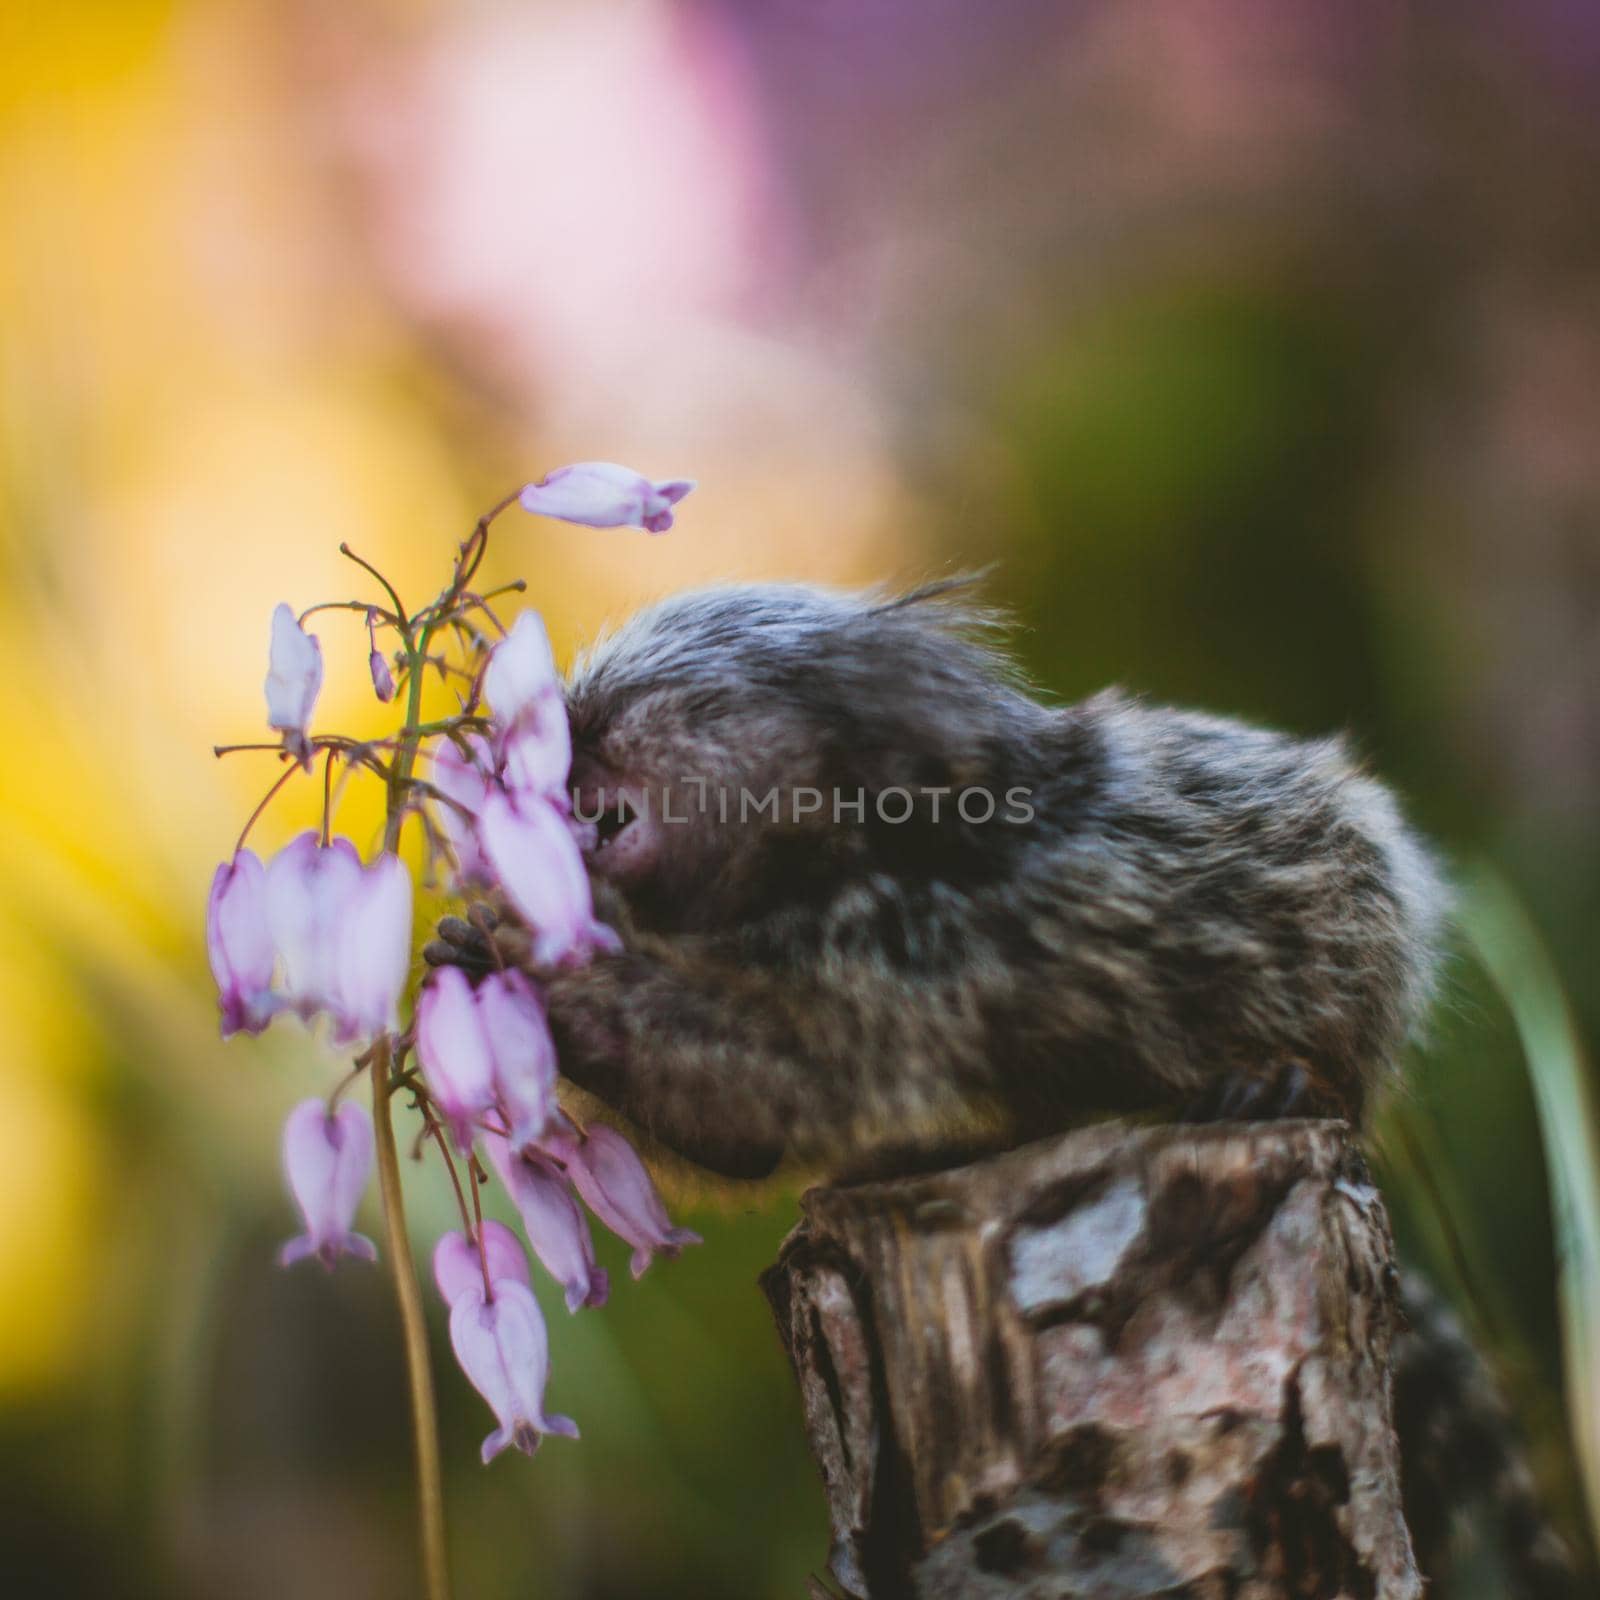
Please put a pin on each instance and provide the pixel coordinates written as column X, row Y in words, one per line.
column 1122, row 1363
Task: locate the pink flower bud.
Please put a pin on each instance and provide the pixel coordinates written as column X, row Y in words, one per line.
column 606, row 1170
column 382, row 677
column 555, row 1226
column 456, row 1267
column 466, row 783
column 311, row 889
column 294, row 675
column 239, row 945
column 374, row 953
column 524, row 1053
column 530, row 846
column 327, row 1161
column 502, row 1347
column 600, row 494
column 453, row 1046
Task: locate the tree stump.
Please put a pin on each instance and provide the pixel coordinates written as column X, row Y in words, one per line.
column 1125, row 1362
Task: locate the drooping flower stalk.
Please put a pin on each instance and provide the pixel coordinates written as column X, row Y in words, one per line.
column 408, row 1292
column 414, row 1326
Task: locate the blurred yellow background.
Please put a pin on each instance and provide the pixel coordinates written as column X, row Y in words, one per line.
column 1256, row 343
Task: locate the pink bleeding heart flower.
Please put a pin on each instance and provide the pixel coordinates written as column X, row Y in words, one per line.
column 327, row 1160
column 521, row 675
column 530, row 846
column 606, row 1170
column 457, row 1267
column 374, row 952
column 536, row 756
column 502, row 1347
column 556, row 1228
column 311, row 889
column 294, row 677
column 455, row 1051
column 533, row 742
column 465, row 781
column 239, row 945
column 524, row 1054
column 600, row 494
column 344, row 932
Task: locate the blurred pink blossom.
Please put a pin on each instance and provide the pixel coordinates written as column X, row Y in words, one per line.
column 327, row 1161
column 502, row 1347
column 606, row 1170
column 524, row 1054
column 343, row 932
column 239, row 945
column 571, row 227
column 536, row 859
column 532, row 737
column 466, row 782
column 555, row 1227
column 374, row 952
column 310, row 890
column 294, row 677
column 456, row 1055
column 600, row 494
column 457, row 1267
column 521, row 675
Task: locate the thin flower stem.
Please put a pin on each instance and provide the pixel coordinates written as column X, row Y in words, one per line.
column 477, row 1232
column 516, row 586
column 480, row 602
column 386, row 617
column 432, row 1126
column 449, row 724
column 403, row 622
column 220, row 750
column 327, row 798
column 471, row 559
column 404, row 759
column 342, row 1087
column 353, row 749
column 266, row 800
column 424, row 1416
column 467, row 562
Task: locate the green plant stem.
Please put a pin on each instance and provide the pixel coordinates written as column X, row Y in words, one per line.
column 408, row 1295
column 405, row 755
column 417, row 633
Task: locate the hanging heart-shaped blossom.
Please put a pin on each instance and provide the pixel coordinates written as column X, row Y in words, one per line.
column 600, row 494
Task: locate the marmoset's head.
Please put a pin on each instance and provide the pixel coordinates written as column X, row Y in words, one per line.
column 726, row 734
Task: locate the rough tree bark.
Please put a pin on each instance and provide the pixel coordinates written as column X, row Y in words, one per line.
column 1121, row 1363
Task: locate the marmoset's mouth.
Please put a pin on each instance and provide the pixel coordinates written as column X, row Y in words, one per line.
column 617, row 814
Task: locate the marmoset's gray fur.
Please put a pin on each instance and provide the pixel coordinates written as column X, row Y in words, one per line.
column 1159, row 910
column 1165, row 909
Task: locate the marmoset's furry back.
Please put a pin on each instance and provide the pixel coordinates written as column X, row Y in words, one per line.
column 875, row 894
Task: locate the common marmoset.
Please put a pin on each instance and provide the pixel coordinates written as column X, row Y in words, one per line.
column 880, row 905
column 877, row 900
